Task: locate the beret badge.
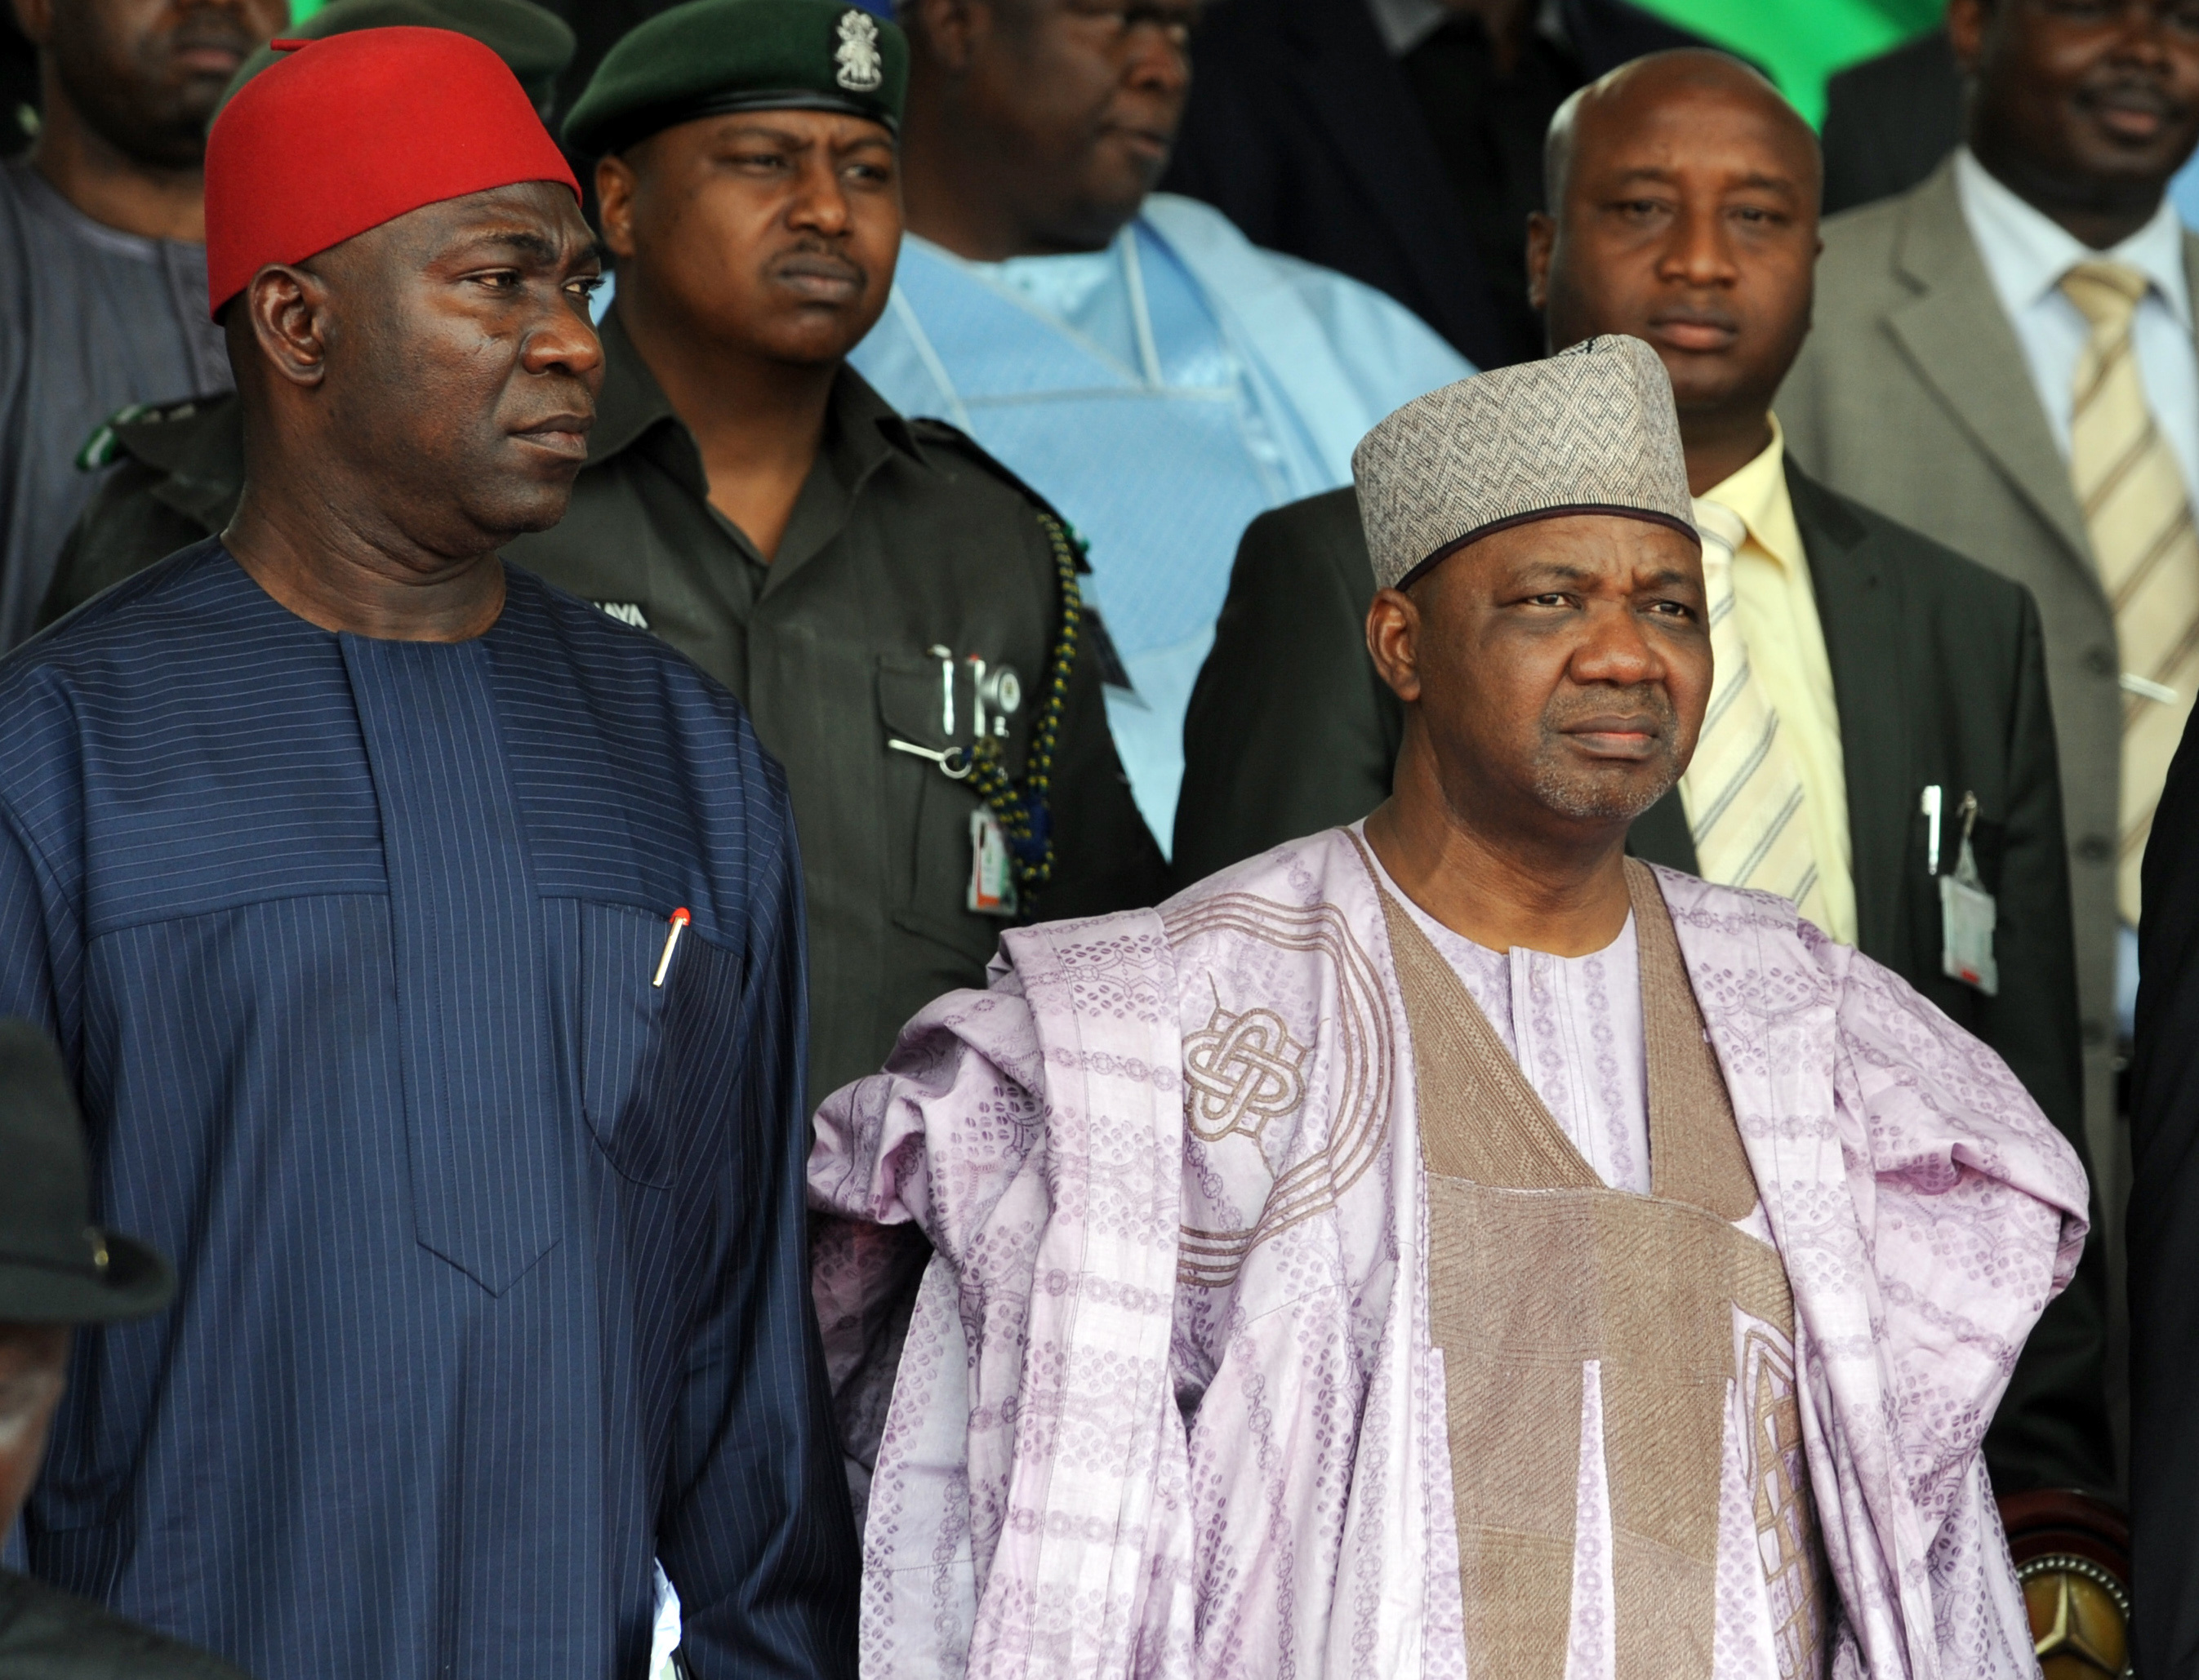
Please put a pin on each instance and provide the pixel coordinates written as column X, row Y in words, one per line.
column 857, row 64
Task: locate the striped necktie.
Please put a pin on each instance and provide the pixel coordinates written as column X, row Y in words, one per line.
column 2137, row 512
column 1743, row 793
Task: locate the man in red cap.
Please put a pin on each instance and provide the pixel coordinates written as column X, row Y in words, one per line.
column 426, row 947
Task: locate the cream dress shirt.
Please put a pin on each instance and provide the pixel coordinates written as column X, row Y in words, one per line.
column 1779, row 606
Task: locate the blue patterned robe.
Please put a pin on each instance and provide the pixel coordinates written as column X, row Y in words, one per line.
column 492, row 1251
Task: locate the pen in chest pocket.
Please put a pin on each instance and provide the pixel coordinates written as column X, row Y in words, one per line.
column 679, row 920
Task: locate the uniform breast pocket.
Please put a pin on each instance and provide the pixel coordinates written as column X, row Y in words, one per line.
column 930, row 802
column 656, row 1061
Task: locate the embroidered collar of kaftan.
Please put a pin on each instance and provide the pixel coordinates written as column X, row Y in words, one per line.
column 1574, row 1027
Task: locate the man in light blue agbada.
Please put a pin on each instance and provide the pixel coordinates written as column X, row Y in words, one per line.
column 1131, row 354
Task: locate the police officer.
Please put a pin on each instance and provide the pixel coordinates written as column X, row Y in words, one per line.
column 900, row 615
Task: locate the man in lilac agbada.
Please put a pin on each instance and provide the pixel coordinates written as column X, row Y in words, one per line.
column 1447, row 1244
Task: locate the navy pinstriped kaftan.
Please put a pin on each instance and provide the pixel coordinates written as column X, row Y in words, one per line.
column 493, row 1257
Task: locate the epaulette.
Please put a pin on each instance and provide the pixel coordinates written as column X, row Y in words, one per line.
column 1096, row 642
column 925, row 429
column 105, row 442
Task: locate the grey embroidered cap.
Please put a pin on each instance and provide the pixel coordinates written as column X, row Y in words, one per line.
column 1590, row 430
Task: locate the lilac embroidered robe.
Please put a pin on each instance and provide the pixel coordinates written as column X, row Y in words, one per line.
column 1169, row 1404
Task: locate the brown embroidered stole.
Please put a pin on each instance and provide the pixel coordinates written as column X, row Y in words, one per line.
column 1535, row 1267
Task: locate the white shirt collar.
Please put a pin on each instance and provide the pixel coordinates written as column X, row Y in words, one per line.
column 2027, row 252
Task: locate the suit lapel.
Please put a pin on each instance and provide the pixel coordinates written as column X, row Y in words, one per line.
column 1349, row 81
column 1860, row 609
column 1964, row 345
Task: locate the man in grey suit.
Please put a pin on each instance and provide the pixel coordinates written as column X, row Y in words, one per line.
column 1959, row 326
column 1686, row 215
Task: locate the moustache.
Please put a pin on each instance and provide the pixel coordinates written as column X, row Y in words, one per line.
column 1643, row 701
column 813, row 259
column 212, row 28
column 1697, row 315
column 2122, row 91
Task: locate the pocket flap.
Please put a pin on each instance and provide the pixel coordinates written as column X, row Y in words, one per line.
column 916, row 702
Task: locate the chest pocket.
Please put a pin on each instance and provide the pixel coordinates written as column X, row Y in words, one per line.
column 931, row 807
column 656, row 1062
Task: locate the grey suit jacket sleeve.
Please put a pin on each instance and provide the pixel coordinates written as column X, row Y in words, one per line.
column 1290, row 730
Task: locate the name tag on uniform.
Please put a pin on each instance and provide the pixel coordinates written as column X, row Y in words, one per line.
column 992, row 866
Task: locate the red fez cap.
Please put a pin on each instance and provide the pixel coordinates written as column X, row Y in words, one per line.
column 353, row 130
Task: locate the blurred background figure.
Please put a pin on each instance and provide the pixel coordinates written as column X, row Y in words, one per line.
column 1153, row 374
column 1891, row 120
column 2004, row 359
column 58, row 1272
column 102, row 249
column 169, row 473
column 1399, row 141
column 534, row 44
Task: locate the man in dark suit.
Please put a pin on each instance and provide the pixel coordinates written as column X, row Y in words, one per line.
column 1399, row 141
column 1891, row 120
column 2164, row 1236
column 1687, row 216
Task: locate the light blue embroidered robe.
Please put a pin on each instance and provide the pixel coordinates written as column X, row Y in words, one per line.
column 1161, row 393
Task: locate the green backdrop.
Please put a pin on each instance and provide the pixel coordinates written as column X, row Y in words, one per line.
column 1799, row 43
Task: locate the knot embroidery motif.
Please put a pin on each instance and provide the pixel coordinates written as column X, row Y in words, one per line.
column 1241, row 1071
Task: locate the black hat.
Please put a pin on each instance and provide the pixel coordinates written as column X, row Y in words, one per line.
column 536, row 44
column 56, row 1267
column 709, row 57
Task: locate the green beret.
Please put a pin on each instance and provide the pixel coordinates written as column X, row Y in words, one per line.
column 537, row 44
column 709, row 57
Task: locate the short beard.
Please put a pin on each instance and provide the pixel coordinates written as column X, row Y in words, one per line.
column 1582, row 798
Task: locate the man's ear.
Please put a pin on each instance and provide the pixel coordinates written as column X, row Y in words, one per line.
column 1966, row 31
column 287, row 309
column 1393, row 635
column 36, row 19
column 1542, row 240
column 615, row 187
column 945, row 30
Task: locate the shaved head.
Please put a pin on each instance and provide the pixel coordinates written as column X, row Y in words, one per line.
column 1661, row 77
